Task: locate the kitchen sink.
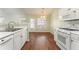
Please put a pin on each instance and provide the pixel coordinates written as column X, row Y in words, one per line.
column 15, row 29
column 10, row 30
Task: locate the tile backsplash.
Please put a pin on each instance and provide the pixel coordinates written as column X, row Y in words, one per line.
column 69, row 24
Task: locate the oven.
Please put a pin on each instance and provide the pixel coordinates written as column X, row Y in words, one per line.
column 63, row 39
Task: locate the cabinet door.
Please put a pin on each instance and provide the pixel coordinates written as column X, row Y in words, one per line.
column 24, row 33
column 65, row 13
column 75, row 13
column 17, row 41
column 68, row 13
column 74, row 45
column 8, row 45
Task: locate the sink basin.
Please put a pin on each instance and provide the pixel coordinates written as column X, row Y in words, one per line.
column 10, row 30
column 15, row 29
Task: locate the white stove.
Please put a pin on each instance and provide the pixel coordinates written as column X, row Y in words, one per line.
column 63, row 38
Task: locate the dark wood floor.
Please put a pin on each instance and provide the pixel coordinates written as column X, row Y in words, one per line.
column 40, row 41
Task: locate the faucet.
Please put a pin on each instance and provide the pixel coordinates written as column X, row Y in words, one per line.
column 11, row 25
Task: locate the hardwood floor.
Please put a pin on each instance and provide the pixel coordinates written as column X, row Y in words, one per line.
column 40, row 41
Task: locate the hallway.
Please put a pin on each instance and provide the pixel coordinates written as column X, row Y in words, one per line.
column 40, row 41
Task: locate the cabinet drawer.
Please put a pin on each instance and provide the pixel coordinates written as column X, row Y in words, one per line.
column 75, row 37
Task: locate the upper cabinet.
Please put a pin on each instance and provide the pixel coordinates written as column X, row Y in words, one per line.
column 69, row 14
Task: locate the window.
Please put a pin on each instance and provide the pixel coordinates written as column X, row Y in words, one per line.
column 32, row 23
column 41, row 21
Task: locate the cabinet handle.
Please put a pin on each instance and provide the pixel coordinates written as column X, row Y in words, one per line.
column 21, row 36
column 2, row 40
column 74, row 11
column 71, row 40
column 7, row 40
column 69, row 9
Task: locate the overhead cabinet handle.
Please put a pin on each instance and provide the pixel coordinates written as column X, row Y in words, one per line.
column 74, row 11
column 2, row 40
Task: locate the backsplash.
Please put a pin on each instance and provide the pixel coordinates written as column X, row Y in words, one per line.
column 69, row 24
column 18, row 22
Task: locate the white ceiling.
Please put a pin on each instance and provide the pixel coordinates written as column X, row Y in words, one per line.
column 38, row 11
column 27, row 11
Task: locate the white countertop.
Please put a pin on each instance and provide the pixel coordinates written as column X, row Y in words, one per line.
column 75, row 32
column 64, row 31
column 5, row 34
column 68, row 31
column 21, row 27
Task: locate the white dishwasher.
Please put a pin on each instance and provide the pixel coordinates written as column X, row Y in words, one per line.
column 6, row 43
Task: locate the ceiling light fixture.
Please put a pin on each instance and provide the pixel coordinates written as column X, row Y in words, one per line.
column 43, row 14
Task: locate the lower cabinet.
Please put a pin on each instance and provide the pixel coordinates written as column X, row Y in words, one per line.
column 17, row 40
column 74, row 45
column 74, row 41
column 24, row 34
column 20, row 38
column 7, row 43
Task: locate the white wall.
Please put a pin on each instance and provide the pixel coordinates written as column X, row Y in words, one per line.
column 54, row 21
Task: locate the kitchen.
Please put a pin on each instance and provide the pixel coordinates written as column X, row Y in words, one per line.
column 39, row 28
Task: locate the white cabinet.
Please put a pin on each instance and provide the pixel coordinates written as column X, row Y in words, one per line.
column 20, row 37
column 74, row 41
column 7, row 44
column 24, row 34
column 74, row 45
column 75, row 13
column 18, row 40
column 64, row 14
column 15, row 41
column 69, row 14
column 74, row 37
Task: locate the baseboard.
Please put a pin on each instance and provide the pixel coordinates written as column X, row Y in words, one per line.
column 52, row 33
